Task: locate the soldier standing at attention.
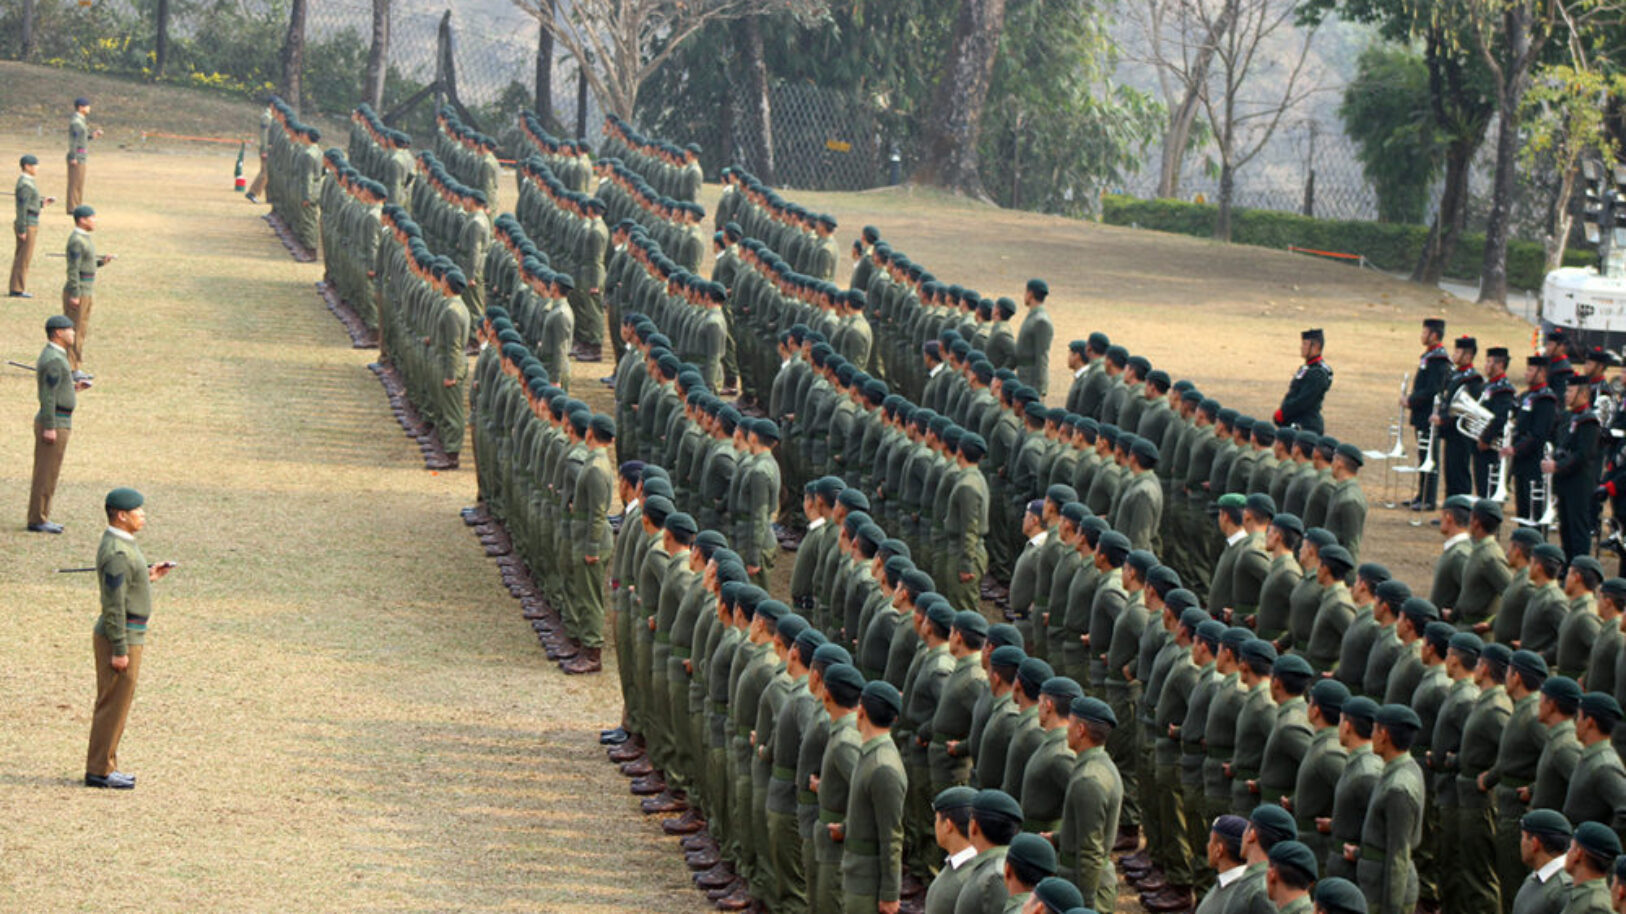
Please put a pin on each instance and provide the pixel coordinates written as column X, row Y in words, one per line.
column 27, row 224
column 78, row 294
column 1301, row 408
column 1394, row 816
column 124, row 579
column 80, row 133
column 593, row 540
column 1433, row 370
column 871, row 834
column 53, row 422
column 258, row 187
column 1033, row 340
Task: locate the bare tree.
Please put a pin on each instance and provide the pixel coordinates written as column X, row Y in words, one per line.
column 544, row 69
column 1247, row 98
column 378, row 55
column 756, row 77
column 621, row 43
column 949, row 153
column 1180, row 48
column 293, row 55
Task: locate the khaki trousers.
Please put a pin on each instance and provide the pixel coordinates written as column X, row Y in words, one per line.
column 23, row 256
column 80, row 315
column 258, row 187
column 47, row 467
column 114, row 692
column 76, row 184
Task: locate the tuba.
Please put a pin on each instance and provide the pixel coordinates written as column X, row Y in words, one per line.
column 1472, row 416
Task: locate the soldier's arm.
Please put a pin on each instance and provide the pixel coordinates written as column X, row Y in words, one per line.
column 116, row 601
column 593, row 497
column 887, row 808
column 1401, row 812
column 54, row 383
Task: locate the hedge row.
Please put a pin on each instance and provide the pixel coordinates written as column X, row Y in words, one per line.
column 1390, row 247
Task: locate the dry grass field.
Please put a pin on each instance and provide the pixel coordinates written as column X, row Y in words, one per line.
column 340, row 707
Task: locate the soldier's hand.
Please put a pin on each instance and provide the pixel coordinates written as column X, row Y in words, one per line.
column 887, row 907
column 952, row 747
column 49, row 435
column 22, row 236
column 1547, row 466
column 49, row 200
column 449, row 382
column 121, row 664
column 837, row 832
column 651, row 623
column 1287, row 803
column 1480, row 783
column 590, row 559
column 1349, row 852
column 77, row 385
column 753, row 570
column 813, row 783
column 966, row 576
column 1524, row 794
column 1323, row 825
column 156, row 573
column 1481, row 627
column 1506, row 452
column 74, row 302
column 1226, row 768
column 1253, row 786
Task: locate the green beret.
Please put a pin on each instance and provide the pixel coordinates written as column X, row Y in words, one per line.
column 1260, row 650
column 1078, row 346
column 992, row 802
column 1488, row 508
column 1615, row 587
column 1420, row 611
column 1233, row 500
column 1292, row 854
column 1320, row 537
column 1235, row 637
column 766, row 429
column 1601, row 706
column 1526, row 536
column 1328, row 694
column 1039, row 287
column 1398, row 716
column 1336, row 558
column 941, row 613
column 1100, row 341
column 1564, row 691
column 1058, row 895
column 1439, row 635
column 843, row 679
column 603, row 426
column 1598, row 840
column 1212, row 632
column 124, row 499
column 1261, row 504
column 971, row 441
column 1001, row 634
column 1075, row 512
column 1351, row 453
column 772, row 610
column 1463, row 502
column 1093, row 709
column 1192, row 618
column 953, row 798
column 1181, row 598
column 1589, row 565
column 1289, row 522
column 1062, row 688
column 1034, row 673
column 1033, row 852
column 1336, row 895
column 1274, row 823
column 1141, row 560
column 1163, row 578
column 57, row 322
column 970, row 621
column 810, row 638
column 1549, row 552
column 1061, row 494
column 790, row 625
column 830, row 653
column 1146, row 452
column 1546, row 822
column 29, row 160
column 886, row 693
column 1529, row 663
column 1294, row 665
column 1393, row 592
column 1007, row 655
column 83, row 210
column 1468, row 644
column 1361, row 708
column 1499, row 654
column 1114, row 544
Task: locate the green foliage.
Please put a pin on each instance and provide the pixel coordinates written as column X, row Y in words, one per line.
column 1387, row 246
column 1563, row 117
column 333, row 72
column 1054, row 130
column 1386, row 113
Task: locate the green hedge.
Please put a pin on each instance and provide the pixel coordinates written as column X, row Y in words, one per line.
column 1390, row 247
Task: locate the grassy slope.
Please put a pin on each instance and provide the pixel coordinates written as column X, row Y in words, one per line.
column 337, row 687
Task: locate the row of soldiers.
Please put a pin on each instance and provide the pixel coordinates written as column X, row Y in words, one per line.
column 677, row 225
column 424, row 330
column 805, row 239
column 569, row 226
column 469, row 155
column 571, row 161
column 544, row 475
column 534, row 297
column 689, row 307
column 381, row 152
column 456, row 222
column 767, row 296
column 294, row 174
column 351, row 224
column 672, row 170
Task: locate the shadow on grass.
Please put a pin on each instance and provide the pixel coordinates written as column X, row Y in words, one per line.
column 540, row 819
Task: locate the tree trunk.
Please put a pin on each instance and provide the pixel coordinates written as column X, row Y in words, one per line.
column 378, row 56
column 1227, row 187
column 581, row 104
column 1184, row 115
column 756, row 76
column 949, row 153
column 1446, row 231
column 26, row 51
column 160, row 40
column 1562, row 220
column 544, row 71
column 1510, row 90
column 725, row 123
column 293, row 55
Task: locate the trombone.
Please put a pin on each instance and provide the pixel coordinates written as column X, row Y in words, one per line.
column 1397, row 449
column 1541, row 493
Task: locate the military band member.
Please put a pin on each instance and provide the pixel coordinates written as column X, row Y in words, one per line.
column 1459, row 450
column 1532, row 432
column 1433, row 370
column 1301, row 407
column 1499, row 396
column 1574, row 469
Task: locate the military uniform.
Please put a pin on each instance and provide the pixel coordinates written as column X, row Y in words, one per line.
column 57, row 401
